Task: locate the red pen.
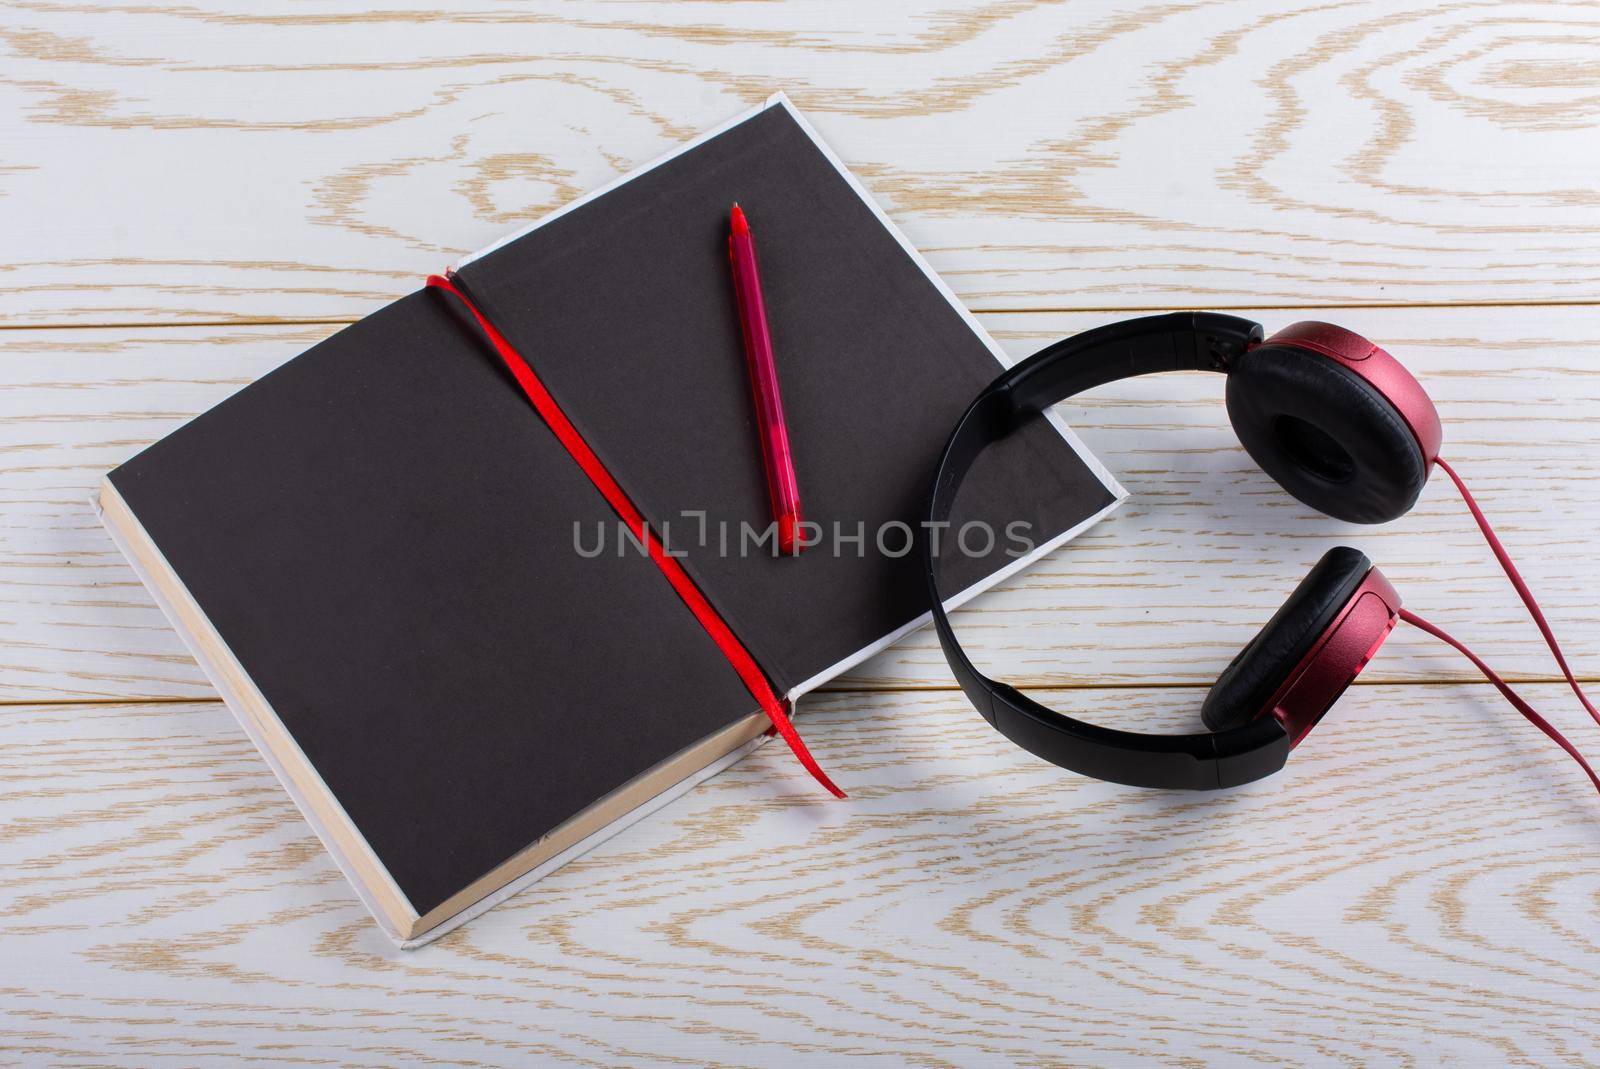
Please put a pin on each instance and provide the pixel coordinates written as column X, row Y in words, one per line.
column 783, row 492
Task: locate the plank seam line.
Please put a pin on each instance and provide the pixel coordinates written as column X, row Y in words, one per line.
column 910, row 688
column 1307, row 306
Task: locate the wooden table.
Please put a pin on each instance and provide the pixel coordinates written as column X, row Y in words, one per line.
column 192, row 194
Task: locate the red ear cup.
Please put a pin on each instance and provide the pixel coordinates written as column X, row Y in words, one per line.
column 1336, row 657
column 1245, row 688
column 1336, row 421
column 1378, row 369
column 1311, row 650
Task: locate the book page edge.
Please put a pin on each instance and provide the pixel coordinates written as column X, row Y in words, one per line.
column 350, row 850
column 749, row 734
column 362, row 869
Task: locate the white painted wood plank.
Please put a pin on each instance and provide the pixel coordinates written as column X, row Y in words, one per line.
column 1419, row 884
column 175, row 163
column 1165, row 591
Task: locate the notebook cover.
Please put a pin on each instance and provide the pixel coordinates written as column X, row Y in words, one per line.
column 382, row 531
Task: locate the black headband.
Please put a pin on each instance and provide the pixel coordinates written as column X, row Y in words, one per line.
column 1183, row 341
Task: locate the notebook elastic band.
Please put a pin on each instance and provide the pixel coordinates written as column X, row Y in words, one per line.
column 739, row 657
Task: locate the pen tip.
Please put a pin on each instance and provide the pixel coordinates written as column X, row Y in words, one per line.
column 739, row 224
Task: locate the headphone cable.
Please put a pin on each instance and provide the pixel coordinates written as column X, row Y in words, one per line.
column 1523, row 592
column 1505, row 688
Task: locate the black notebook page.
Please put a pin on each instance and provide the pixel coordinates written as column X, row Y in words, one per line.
column 624, row 307
column 381, row 532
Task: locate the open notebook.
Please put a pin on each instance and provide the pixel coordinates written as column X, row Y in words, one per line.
column 427, row 617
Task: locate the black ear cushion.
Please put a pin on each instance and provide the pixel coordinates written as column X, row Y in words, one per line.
column 1262, row 666
column 1325, row 434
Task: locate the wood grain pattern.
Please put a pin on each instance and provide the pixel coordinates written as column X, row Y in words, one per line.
column 173, row 163
column 1163, row 592
column 1421, row 885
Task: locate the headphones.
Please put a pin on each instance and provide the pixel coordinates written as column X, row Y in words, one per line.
column 1342, row 426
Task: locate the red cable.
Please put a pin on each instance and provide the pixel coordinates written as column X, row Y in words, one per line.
column 1522, row 588
column 743, row 663
column 1510, row 695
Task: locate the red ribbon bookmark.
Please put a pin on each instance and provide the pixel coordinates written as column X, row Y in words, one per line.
column 739, row 657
